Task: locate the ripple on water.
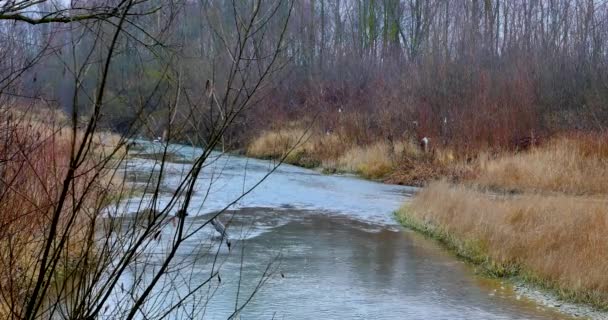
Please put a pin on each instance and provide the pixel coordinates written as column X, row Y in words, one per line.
column 336, row 251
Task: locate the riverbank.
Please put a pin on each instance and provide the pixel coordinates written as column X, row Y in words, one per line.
column 540, row 217
column 558, row 263
column 400, row 162
column 524, row 284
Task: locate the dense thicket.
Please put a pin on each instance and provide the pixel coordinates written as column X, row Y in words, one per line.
column 470, row 73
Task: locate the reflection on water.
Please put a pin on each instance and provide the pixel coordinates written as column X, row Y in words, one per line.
column 326, row 247
column 335, row 268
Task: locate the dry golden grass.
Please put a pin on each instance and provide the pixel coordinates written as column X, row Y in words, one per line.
column 46, row 124
column 574, row 165
column 559, row 240
column 298, row 146
column 552, row 232
column 293, row 144
column 373, row 161
column 568, row 164
column 274, row 144
column 333, row 152
column 36, row 157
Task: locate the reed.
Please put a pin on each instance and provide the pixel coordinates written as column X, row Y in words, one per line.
column 554, row 240
column 573, row 164
column 35, row 158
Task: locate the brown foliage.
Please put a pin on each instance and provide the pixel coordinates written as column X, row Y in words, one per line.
column 34, row 160
column 558, row 239
column 573, row 163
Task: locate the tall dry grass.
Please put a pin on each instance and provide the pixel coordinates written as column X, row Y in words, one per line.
column 274, row 144
column 570, row 164
column 333, row 152
column 552, row 231
column 298, row 146
column 557, row 240
column 34, row 160
column 374, row 161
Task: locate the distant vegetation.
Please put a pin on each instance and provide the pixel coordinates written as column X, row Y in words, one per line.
column 471, row 75
column 476, row 75
column 478, row 79
column 399, row 162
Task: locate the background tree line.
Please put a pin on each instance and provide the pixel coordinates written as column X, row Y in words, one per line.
column 474, row 73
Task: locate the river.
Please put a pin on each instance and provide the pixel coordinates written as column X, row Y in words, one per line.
column 325, row 247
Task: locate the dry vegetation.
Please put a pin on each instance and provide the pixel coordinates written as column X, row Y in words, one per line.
column 295, row 145
column 551, row 232
column 374, row 161
column 575, row 164
column 34, row 158
column 400, row 162
column 331, row 152
column 558, row 240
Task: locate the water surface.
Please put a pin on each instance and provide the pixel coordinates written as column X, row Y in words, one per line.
column 324, row 247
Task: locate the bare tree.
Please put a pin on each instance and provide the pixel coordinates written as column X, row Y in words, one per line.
column 73, row 247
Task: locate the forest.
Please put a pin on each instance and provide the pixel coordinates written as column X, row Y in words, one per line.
column 472, row 74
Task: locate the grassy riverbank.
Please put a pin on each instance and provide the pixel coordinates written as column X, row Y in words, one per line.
column 399, row 162
column 541, row 215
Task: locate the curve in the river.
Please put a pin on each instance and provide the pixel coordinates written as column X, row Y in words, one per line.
column 335, row 249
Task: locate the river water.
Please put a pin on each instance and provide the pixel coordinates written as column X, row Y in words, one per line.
column 324, row 247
